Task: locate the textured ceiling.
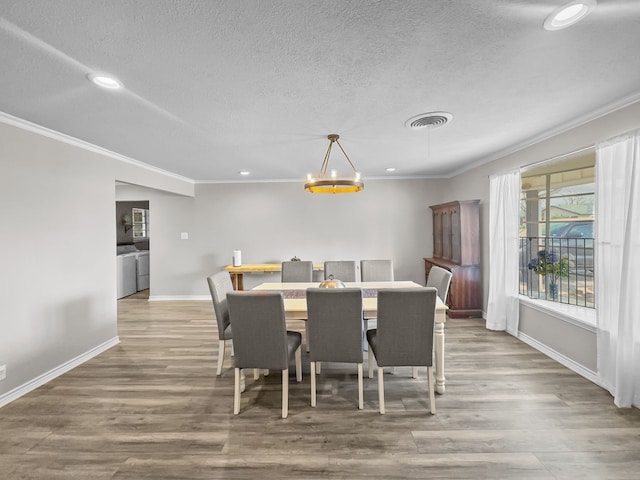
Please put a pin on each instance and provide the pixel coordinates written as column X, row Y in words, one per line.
column 213, row 87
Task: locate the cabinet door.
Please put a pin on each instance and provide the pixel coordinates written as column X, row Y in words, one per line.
column 455, row 235
column 446, row 234
column 437, row 233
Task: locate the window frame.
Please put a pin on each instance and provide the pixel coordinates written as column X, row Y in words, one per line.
column 576, row 288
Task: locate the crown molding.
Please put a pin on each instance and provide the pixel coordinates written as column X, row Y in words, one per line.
column 69, row 140
column 565, row 127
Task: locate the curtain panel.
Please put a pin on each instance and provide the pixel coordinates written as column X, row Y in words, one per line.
column 617, row 260
column 503, row 308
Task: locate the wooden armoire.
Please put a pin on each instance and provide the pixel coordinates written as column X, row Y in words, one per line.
column 456, row 247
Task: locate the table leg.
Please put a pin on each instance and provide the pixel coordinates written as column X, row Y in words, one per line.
column 438, row 341
column 236, row 280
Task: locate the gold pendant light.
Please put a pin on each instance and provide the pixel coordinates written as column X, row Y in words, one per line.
column 333, row 183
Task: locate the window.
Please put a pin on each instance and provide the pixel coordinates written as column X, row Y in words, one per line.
column 140, row 223
column 556, row 231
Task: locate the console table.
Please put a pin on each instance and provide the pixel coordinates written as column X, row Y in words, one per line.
column 238, row 272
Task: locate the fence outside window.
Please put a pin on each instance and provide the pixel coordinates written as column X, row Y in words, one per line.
column 574, row 285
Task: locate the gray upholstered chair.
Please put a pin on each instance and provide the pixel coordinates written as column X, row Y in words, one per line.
column 219, row 285
column 440, row 279
column 404, row 336
column 299, row 271
column 261, row 340
column 335, row 330
column 376, row 270
column 345, row 270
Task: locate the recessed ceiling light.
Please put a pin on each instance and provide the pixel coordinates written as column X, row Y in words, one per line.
column 244, row 172
column 390, row 169
column 568, row 14
column 105, row 81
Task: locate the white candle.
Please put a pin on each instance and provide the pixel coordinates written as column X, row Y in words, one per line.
column 237, row 258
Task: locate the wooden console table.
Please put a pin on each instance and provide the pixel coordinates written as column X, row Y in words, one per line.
column 238, row 272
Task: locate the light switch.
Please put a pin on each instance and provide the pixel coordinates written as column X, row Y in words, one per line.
column 184, row 236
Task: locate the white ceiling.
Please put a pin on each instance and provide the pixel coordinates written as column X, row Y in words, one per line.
column 213, row 87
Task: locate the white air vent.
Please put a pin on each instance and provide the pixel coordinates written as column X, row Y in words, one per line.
column 431, row 120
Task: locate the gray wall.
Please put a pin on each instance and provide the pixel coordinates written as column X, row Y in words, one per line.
column 125, row 235
column 57, row 287
column 571, row 341
column 58, row 295
column 274, row 222
column 575, row 342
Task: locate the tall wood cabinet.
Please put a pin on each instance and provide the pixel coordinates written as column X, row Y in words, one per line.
column 456, row 247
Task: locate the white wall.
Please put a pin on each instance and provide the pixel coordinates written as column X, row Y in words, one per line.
column 57, row 255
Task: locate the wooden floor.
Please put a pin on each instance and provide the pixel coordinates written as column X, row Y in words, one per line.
column 152, row 408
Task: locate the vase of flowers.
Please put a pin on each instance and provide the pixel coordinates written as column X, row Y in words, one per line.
column 551, row 266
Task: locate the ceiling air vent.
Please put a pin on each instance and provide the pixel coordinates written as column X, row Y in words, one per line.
column 431, row 120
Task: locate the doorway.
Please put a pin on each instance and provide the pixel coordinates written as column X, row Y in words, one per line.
column 133, row 240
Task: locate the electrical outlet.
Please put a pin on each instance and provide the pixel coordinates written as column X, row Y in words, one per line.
column 3, row 372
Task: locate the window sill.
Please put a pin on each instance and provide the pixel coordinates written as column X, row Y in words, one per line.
column 579, row 316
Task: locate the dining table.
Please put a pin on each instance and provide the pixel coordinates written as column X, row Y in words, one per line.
column 295, row 307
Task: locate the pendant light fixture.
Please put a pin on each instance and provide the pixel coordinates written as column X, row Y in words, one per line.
column 333, row 182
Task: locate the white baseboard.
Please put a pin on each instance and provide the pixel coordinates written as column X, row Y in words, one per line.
column 56, row 372
column 560, row 358
column 169, row 298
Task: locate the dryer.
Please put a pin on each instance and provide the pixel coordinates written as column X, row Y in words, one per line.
column 142, row 270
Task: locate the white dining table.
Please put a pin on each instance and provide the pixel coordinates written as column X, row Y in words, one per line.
column 295, row 307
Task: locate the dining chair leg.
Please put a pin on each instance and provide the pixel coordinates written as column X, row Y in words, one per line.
column 221, row 345
column 360, row 388
column 313, row 383
column 381, row 389
column 243, row 382
column 256, row 373
column 306, row 336
column 285, row 393
column 370, row 361
column 318, row 367
column 236, row 393
column 432, row 390
column 298, row 365
column 414, row 372
column 365, row 327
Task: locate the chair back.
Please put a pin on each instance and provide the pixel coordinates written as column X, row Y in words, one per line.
column 440, row 279
column 259, row 330
column 219, row 285
column 406, row 318
column 299, row 271
column 376, row 270
column 335, row 324
column 345, row 270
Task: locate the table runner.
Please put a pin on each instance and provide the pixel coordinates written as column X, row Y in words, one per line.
column 302, row 293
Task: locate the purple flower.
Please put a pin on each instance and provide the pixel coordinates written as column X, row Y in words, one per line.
column 548, row 263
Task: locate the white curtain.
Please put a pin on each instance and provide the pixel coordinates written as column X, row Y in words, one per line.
column 618, row 267
column 504, row 206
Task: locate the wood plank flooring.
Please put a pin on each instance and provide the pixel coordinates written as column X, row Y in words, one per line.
column 152, row 408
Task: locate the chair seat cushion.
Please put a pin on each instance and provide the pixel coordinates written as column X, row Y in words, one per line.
column 294, row 340
column 226, row 334
column 372, row 339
